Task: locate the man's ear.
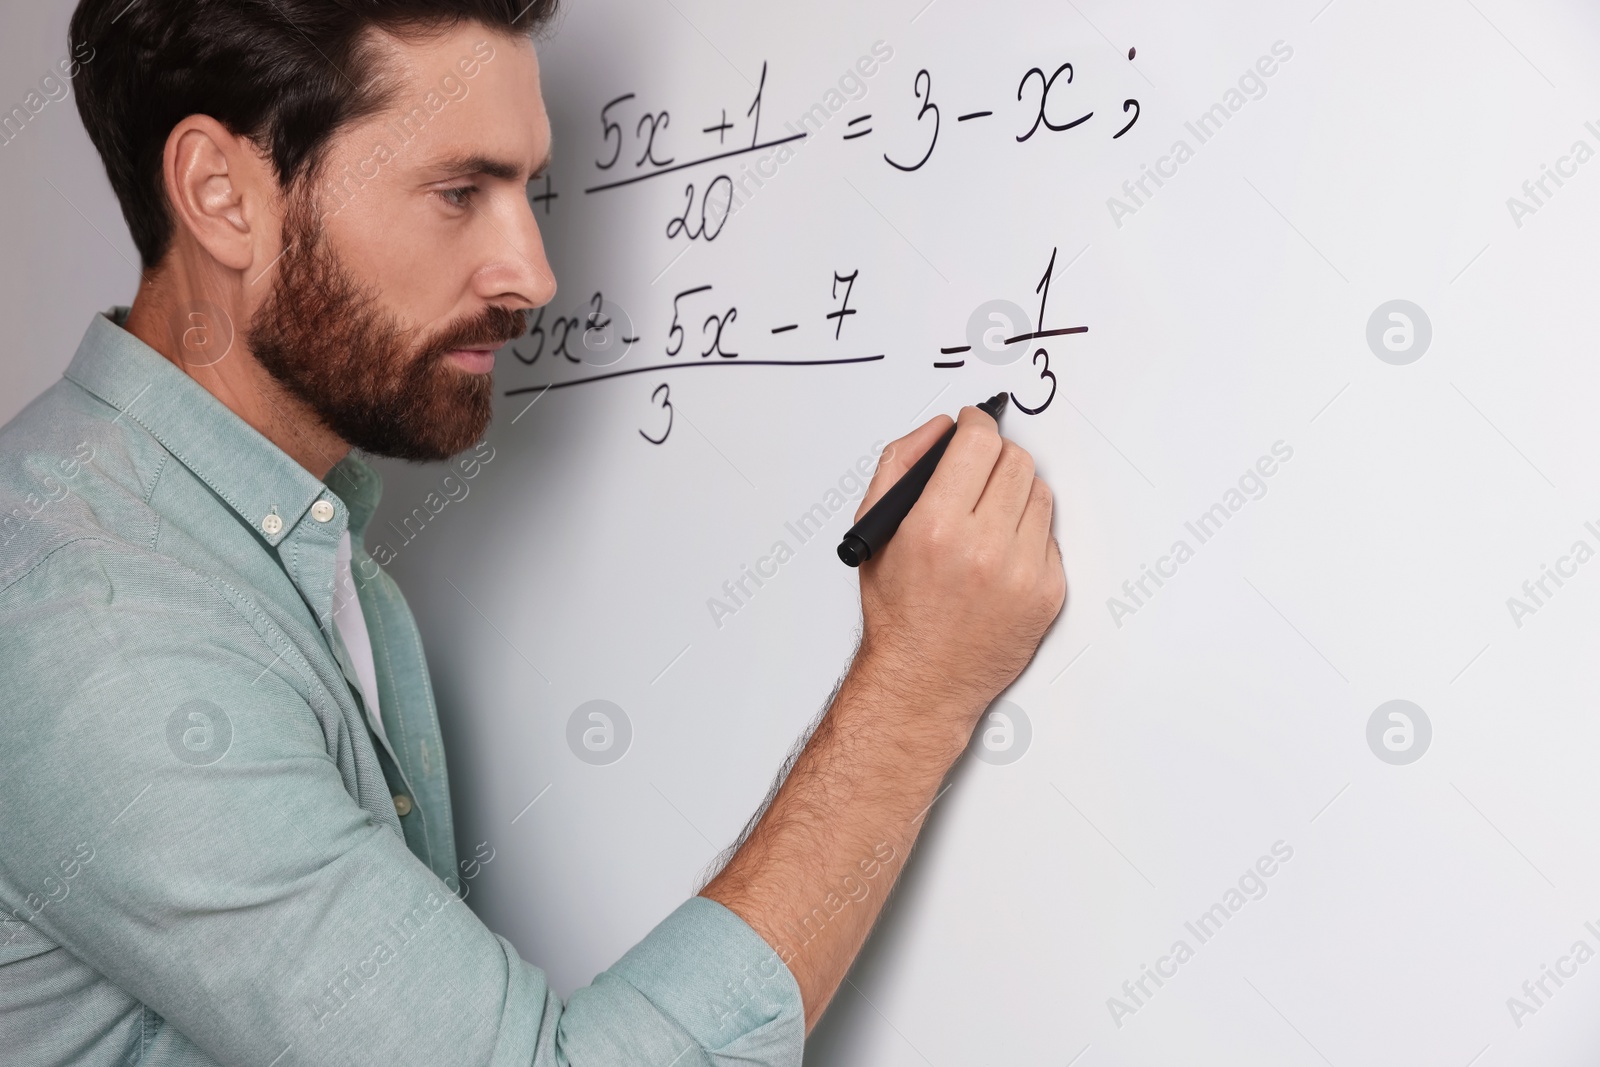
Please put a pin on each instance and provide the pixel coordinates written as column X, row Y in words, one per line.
column 219, row 188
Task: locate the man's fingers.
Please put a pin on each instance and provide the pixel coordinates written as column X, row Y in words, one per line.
column 898, row 458
column 1033, row 528
column 1057, row 571
column 1009, row 486
column 964, row 470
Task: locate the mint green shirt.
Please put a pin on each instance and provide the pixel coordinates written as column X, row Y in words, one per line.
column 206, row 854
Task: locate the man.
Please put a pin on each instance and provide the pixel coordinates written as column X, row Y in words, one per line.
column 227, row 830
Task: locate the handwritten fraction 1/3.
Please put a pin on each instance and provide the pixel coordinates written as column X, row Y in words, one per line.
column 995, row 352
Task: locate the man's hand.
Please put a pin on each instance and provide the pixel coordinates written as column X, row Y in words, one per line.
column 955, row 605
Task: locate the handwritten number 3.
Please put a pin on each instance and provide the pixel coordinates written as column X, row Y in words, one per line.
column 922, row 88
column 1043, row 374
column 666, row 403
column 536, row 331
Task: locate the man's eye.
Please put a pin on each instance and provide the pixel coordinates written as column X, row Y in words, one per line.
column 460, row 196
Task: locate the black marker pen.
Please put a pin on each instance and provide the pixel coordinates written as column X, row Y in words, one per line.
column 866, row 538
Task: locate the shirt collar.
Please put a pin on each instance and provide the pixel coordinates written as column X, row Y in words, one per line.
column 254, row 476
column 360, row 486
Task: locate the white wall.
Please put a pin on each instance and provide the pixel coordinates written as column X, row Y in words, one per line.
column 66, row 252
column 1170, row 748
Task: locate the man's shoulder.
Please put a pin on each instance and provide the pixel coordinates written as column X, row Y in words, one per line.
column 79, row 560
column 88, row 599
column 98, row 629
column 72, row 469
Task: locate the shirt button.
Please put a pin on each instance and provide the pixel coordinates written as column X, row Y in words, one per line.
column 322, row 511
column 402, row 805
column 271, row 525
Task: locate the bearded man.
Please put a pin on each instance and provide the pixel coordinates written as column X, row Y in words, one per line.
column 223, row 794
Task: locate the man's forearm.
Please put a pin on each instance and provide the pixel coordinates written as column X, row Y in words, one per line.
column 951, row 612
column 818, row 866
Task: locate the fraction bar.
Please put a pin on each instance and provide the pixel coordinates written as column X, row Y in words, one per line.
column 1046, row 333
column 692, row 163
column 681, row 366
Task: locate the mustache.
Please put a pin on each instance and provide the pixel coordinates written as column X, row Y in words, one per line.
column 491, row 328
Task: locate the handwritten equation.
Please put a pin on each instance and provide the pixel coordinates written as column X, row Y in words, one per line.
column 704, row 331
column 1040, row 98
column 638, row 141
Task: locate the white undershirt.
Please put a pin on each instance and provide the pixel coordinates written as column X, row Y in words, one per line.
column 352, row 627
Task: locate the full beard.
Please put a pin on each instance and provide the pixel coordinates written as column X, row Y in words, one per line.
column 386, row 389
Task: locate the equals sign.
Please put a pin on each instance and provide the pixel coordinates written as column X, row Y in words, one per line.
column 858, row 133
column 956, row 350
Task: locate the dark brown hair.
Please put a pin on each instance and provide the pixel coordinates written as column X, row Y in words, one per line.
column 287, row 74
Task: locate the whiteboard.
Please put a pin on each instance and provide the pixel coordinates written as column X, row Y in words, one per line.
column 1336, row 346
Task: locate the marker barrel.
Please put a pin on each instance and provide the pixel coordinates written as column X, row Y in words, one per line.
column 866, row 538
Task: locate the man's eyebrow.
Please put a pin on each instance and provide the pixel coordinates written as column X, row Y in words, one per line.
column 489, row 166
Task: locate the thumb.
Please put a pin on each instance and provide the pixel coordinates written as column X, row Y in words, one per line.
column 898, row 458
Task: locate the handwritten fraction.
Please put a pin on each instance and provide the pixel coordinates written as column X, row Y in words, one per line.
column 639, row 141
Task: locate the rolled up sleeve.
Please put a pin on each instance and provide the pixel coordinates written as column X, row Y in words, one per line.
column 234, row 885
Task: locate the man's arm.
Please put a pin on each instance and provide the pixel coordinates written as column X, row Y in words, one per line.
column 953, row 609
column 174, row 821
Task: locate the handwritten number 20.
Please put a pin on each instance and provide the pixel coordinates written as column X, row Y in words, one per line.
column 709, row 201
